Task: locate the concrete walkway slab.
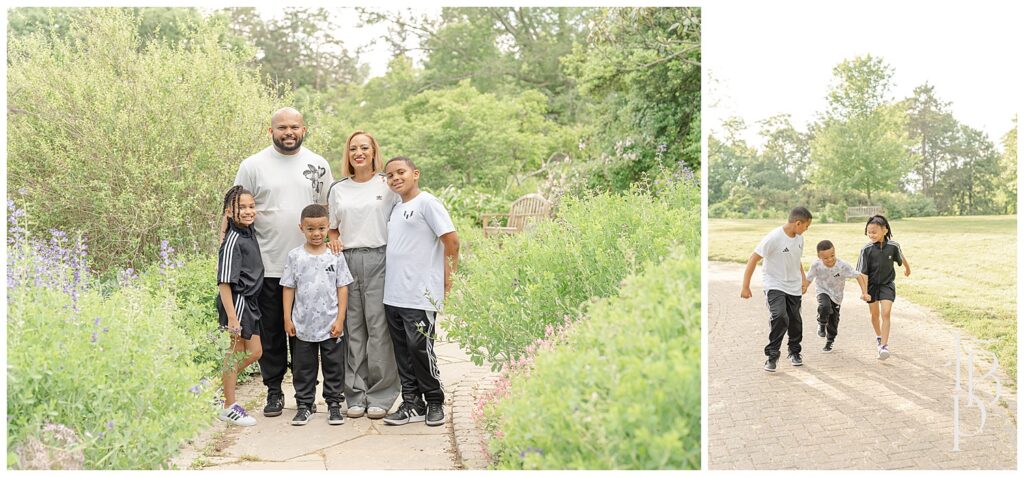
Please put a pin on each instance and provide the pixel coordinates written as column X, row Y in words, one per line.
column 361, row 443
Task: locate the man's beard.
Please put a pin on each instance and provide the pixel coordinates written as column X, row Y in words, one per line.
column 280, row 144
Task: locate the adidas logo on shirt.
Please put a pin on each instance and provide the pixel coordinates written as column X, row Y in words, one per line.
column 380, row 197
column 330, row 268
column 407, row 214
column 786, row 250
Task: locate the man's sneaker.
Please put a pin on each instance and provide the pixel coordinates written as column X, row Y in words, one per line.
column 236, row 415
column 821, row 330
column 435, row 414
column 334, row 415
column 356, row 411
column 376, row 412
column 275, row 406
column 795, row 359
column 304, row 415
column 405, row 414
column 828, row 347
column 770, row 364
column 883, row 352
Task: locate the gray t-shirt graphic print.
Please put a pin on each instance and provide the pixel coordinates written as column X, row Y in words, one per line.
column 316, row 279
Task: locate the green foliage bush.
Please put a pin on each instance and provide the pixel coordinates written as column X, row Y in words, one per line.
column 623, row 391
column 460, row 136
column 191, row 287
column 904, row 205
column 117, row 373
column 515, row 286
column 130, row 144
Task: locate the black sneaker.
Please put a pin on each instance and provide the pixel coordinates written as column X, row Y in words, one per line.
column 405, row 414
column 828, row 347
column 334, row 415
column 304, row 415
column 795, row 359
column 275, row 405
column 435, row 414
column 770, row 365
column 821, row 330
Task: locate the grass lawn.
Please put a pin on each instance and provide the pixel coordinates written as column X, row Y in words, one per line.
column 963, row 268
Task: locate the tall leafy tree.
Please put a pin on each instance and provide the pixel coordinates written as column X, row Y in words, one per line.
column 931, row 128
column 968, row 187
column 302, row 47
column 862, row 143
column 642, row 65
column 1008, row 171
column 728, row 160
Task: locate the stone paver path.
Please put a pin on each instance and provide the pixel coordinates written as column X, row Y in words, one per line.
column 360, row 443
column 847, row 409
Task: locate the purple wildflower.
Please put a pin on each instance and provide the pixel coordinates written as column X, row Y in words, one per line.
column 94, row 337
column 110, row 425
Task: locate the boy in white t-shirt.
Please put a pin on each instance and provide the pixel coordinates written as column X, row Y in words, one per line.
column 831, row 274
column 422, row 254
column 315, row 293
column 784, row 284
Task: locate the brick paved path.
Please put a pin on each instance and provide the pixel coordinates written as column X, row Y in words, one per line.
column 847, row 409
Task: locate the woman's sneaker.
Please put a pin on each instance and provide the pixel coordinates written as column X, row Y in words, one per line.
column 405, row 414
column 304, row 415
column 334, row 415
column 236, row 415
column 356, row 411
column 883, row 352
column 376, row 412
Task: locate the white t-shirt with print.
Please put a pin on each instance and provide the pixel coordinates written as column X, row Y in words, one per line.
column 781, row 269
column 414, row 276
column 282, row 186
column 831, row 281
column 360, row 211
column 316, row 279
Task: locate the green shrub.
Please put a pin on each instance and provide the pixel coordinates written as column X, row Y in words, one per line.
column 130, row 144
column 191, row 285
column 117, row 373
column 515, row 286
column 622, row 391
column 900, row 205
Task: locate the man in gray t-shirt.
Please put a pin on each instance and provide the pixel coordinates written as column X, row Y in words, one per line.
column 422, row 253
column 283, row 178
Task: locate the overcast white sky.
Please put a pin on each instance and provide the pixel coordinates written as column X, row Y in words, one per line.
column 777, row 57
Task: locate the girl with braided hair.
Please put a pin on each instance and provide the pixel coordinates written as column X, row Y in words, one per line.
column 876, row 263
column 239, row 278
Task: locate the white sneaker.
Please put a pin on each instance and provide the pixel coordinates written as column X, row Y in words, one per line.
column 375, row 412
column 356, row 411
column 236, row 415
column 883, row 352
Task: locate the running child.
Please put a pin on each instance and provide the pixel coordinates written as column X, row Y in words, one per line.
column 239, row 278
column 831, row 273
column 876, row 262
column 784, row 284
column 422, row 254
column 315, row 293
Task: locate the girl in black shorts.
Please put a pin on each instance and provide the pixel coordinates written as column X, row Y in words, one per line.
column 876, row 261
column 239, row 278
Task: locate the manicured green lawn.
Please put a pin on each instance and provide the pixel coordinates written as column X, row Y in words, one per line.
column 963, row 268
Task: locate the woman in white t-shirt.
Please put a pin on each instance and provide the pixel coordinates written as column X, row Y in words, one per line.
column 359, row 206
